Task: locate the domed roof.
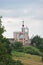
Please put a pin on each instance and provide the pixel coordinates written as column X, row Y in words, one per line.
column 21, row 36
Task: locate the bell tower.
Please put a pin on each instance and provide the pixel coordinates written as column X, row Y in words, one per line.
column 23, row 32
column 23, row 28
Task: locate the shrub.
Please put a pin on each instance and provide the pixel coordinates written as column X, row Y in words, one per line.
column 42, row 58
column 18, row 62
column 31, row 50
column 18, row 46
column 41, row 47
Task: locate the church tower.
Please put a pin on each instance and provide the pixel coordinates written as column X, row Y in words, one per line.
column 23, row 31
column 23, row 35
column 23, row 28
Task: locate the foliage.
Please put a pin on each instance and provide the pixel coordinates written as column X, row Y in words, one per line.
column 38, row 41
column 5, row 49
column 18, row 46
column 32, row 50
column 27, row 59
column 1, row 29
column 41, row 46
column 42, row 59
column 18, row 62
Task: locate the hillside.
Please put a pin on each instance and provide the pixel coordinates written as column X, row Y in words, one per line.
column 27, row 59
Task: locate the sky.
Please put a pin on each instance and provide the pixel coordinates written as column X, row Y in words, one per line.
column 13, row 12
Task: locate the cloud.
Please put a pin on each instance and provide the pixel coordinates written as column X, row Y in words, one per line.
column 24, row 12
column 13, row 12
column 14, row 24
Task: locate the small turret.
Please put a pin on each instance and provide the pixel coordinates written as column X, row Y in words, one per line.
column 23, row 23
column 23, row 28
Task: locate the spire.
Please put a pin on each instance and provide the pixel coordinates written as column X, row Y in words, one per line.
column 22, row 23
column 23, row 28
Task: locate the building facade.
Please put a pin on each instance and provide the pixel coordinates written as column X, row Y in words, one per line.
column 22, row 36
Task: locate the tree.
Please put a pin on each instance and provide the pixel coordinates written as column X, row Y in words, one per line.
column 1, row 30
column 5, row 49
column 4, row 46
column 41, row 45
column 18, row 46
column 36, row 40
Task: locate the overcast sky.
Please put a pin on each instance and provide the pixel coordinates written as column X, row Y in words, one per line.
column 14, row 11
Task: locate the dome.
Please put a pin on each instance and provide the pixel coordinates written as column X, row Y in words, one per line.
column 21, row 36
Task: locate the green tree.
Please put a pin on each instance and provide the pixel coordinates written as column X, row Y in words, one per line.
column 1, row 30
column 37, row 41
column 18, row 62
column 32, row 50
column 4, row 46
column 5, row 49
column 41, row 45
column 18, row 46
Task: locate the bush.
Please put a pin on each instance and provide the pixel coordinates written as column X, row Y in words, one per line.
column 11, row 62
column 31, row 50
column 18, row 62
column 41, row 47
column 42, row 58
column 17, row 46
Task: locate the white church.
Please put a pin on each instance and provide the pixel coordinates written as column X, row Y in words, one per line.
column 22, row 36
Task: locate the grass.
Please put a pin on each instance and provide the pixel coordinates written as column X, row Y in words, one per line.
column 27, row 59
